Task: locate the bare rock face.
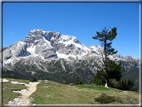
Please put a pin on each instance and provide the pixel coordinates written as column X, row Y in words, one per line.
column 45, row 49
column 118, row 56
column 7, row 54
column 128, row 58
column 36, row 34
column 19, row 48
column 2, row 49
column 69, row 45
column 96, row 49
column 33, row 36
column 52, row 36
column 16, row 50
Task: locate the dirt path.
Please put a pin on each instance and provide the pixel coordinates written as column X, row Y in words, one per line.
column 25, row 98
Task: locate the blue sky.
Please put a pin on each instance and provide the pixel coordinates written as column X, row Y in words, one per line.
column 81, row 20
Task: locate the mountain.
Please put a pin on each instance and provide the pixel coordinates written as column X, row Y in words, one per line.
column 56, row 57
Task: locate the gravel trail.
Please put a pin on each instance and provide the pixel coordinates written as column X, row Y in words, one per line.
column 24, row 99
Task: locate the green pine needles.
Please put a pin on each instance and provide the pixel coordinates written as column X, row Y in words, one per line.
column 33, row 79
column 77, row 81
column 111, row 73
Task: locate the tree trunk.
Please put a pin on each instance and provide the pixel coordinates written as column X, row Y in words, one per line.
column 105, row 63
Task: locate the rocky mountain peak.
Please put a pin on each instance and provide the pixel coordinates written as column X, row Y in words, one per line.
column 118, row 56
column 128, row 57
column 53, row 45
column 96, row 49
column 37, row 34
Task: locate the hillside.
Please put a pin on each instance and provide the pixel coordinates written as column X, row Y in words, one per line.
column 49, row 92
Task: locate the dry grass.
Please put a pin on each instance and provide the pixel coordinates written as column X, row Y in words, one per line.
column 7, row 94
column 55, row 93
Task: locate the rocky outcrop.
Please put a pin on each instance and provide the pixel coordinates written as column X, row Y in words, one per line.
column 70, row 45
column 52, row 36
column 19, row 48
column 36, row 34
column 15, row 50
column 38, row 56
column 7, row 54
column 45, row 49
column 118, row 56
column 2, row 49
column 128, row 58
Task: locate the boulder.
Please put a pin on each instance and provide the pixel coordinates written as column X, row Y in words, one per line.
column 71, row 84
column 92, row 84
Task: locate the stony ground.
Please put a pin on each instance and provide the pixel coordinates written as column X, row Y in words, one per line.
column 24, row 99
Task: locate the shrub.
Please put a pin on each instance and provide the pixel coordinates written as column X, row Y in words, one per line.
column 77, row 81
column 114, row 83
column 9, row 76
column 103, row 99
column 33, row 79
column 123, row 84
column 66, row 82
column 99, row 78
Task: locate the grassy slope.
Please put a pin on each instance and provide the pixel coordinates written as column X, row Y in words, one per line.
column 7, row 94
column 55, row 93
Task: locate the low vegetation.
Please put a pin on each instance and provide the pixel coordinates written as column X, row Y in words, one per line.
column 49, row 92
column 9, row 76
column 77, row 81
column 7, row 94
column 115, row 77
column 103, row 99
column 33, row 79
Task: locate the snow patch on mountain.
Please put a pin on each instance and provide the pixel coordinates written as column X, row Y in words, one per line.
column 67, row 40
column 31, row 49
column 49, row 45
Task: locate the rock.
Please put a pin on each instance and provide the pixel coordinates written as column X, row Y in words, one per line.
column 34, row 105
column 71, row 84
column 7, row 54
column 2, row 49
column 17, row 49
column 33, row 35
column 128, row 58
column 118, row 56
column 69, row 45
column 52, row 36
column 93, row 85
column 45, row 49
column 4, row 80
column 125, row 92
column 37, row 34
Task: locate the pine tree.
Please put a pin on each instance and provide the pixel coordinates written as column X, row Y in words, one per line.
column 114, row 70
column 66, row 82
column 33, row 79
column 106, row 37
column 77, row 81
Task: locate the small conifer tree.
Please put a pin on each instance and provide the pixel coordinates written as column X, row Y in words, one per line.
column 66, row 82
column 77, row 81
column 33, row 79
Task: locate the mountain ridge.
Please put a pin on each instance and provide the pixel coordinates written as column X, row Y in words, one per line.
column 58, row 57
